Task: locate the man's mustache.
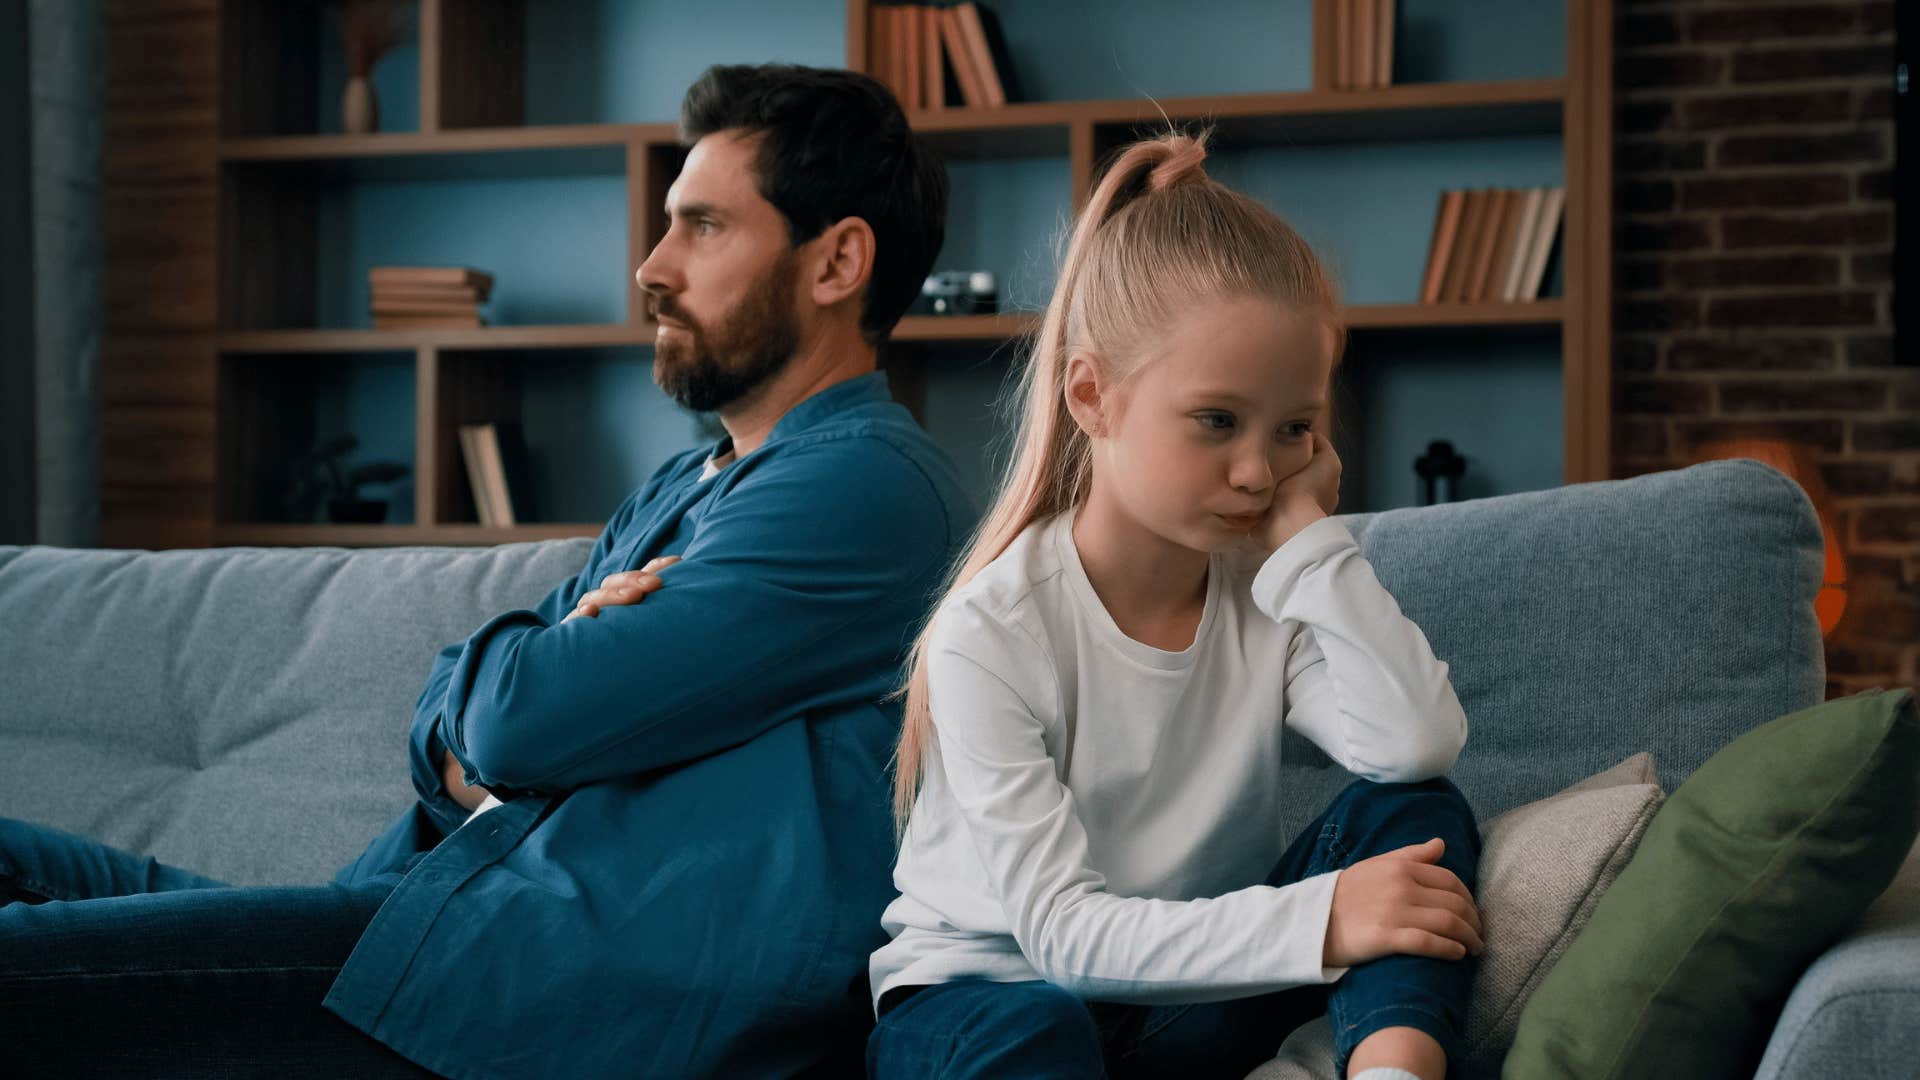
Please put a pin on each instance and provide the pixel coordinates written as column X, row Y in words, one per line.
column 656, row 307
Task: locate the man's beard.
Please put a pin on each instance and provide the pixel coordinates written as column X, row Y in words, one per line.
column 755, row 342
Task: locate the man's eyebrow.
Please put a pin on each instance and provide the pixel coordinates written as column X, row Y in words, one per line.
column 695, row 210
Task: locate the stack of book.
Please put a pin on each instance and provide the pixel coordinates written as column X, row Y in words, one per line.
column 937, row 57
column 412, row 296
column 495, row 457
column 1492, row 245
column 1361, row 43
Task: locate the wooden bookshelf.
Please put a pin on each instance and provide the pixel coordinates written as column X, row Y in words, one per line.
column 211, row 235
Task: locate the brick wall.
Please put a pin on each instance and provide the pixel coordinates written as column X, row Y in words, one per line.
column 1754, row 231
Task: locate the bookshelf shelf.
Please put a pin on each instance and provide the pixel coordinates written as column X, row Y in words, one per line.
column 476, row 153
column 1430, row 111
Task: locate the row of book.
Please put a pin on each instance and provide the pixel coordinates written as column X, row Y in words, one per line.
column 412, row 296
column 940, row 57
column 1362, row 43
column 1492, row 244
column 495, row 458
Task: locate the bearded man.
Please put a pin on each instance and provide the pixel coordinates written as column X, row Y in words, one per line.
column 653, row 834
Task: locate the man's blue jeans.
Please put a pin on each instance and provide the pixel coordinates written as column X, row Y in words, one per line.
column 971, row 1027
column 112, row 964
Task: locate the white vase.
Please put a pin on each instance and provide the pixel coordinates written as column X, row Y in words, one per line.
column 359, row 109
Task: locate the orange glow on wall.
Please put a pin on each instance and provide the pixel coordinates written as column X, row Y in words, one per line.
column 1796, row 461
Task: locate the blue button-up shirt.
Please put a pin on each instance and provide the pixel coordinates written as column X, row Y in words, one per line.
column 688, row 872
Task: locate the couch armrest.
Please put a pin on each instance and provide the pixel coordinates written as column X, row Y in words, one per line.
column 1856, row 1010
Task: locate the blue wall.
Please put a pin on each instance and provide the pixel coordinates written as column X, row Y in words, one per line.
column 595, row 424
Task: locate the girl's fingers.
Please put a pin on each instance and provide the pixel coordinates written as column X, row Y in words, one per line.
column 1416, row 942
column 1447, row 924
column 1439, row 877
column 1449, row 900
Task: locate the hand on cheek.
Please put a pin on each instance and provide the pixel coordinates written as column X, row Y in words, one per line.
column 1305, row 496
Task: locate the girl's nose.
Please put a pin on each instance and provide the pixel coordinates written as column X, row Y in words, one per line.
column 1251, row 473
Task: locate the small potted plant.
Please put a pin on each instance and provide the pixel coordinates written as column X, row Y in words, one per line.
column 320, row 477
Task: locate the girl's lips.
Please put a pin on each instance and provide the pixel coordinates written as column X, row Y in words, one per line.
column 1240, row 521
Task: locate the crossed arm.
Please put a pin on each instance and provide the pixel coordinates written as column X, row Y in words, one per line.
column 615, row 590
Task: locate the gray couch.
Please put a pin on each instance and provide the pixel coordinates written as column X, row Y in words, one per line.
column 242, row 712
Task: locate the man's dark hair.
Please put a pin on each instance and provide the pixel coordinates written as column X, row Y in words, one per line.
column 834, row 144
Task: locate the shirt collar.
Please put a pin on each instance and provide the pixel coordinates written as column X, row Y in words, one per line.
column 867, row 389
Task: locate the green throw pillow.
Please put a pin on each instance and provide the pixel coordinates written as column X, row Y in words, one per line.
column 1766, row 855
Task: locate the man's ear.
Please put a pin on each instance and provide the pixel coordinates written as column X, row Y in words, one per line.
column 1086, row 389
column 840, row 262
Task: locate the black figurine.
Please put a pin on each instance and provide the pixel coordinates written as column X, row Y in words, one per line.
column 1440, row 469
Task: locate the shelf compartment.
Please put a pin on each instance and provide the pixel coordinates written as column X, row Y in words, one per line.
column 274, row 410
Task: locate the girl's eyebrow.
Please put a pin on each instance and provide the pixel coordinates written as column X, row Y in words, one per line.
column 1234, row 397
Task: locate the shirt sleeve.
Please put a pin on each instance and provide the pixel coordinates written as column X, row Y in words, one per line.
column 1361, row 680
column 425, row 750
column 992, row 753
column 794, row 589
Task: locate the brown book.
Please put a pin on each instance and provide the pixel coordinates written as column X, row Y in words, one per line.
column 476, row 482
column 1363, row 44
column 954, row 36
column 384, row 306
column 906, row 41
column 1446, row 223
column 1487, row 286
column 877, row 43
column 981, row 54
column 1383, row 42
column 1509, row 283
column 1483, row 241
column 416, row 276
column 415, row 322
column 494, row 472
column 1541, row 246
column 1472, row 208
column 430, row 295
column 1343, row 45
column 933, row 63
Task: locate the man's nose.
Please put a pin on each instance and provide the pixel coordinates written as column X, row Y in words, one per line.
column 657, row 273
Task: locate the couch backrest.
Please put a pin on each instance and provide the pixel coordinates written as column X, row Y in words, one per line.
column 243, row 712
column 1583, row 624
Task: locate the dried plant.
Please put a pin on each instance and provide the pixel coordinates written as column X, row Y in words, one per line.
column 369, row 28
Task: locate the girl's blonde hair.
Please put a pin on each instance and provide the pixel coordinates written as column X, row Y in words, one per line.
column 1158, row 237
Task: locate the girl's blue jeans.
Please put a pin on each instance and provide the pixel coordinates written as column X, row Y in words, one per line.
column 112, row 964
column 974, row 1028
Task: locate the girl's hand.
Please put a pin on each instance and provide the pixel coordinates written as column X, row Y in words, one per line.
column 1401, row 902
column 628, row 587
column 1304, row 497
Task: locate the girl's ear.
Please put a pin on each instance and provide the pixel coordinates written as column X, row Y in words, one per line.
column 1086, row 392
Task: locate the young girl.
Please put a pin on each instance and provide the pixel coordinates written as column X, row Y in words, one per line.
column 1092, row 878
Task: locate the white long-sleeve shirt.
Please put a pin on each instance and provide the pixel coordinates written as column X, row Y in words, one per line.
column 1098, row 812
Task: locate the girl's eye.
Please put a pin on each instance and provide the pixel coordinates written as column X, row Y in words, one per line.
column 1298, row 430
column 1214, row 421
